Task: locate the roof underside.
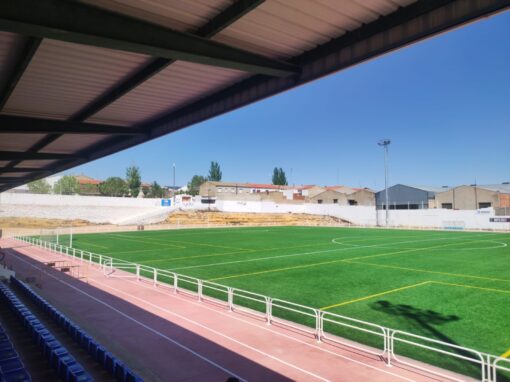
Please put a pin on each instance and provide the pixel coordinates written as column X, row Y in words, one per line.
column 81, row 80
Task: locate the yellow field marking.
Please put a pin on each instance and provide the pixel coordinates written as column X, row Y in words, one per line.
column 144, row 241
column 238, row 252
column 473, row 287
column 375, row 295
column 330, row 262
column 413, row 250
column 505, row 354
column 430, row 282
column 426, row 271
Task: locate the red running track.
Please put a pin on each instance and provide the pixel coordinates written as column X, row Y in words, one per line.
column 165, row 336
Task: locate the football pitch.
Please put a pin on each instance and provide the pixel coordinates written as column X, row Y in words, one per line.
column 450, row 286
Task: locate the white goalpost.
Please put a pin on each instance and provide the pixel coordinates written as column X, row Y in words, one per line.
column 59, row 235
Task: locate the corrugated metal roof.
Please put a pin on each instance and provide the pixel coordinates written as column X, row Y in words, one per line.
column 287, row 28
column 433, row 189
column 503, row 188
column 184, row 16
column 19, row 142
column 63, row 77
column 172, row 88
column 71, row 143
column 9, row 43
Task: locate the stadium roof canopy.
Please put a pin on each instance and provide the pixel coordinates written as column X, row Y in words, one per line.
column 81, row 80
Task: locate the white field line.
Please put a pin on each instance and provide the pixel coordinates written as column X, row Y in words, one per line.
column 179, row 316
column 303, row 254
column 216, row 231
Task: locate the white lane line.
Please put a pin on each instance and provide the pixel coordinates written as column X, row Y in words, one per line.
column 229, row 315
column 211, row 330
column 300, row 254
column 384, row 371
column 154, row 331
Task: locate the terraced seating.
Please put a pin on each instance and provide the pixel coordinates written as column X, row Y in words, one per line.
column 107, row 360
column 52, row 350
column 11, row 366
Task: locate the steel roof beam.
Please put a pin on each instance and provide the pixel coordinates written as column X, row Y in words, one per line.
column 6, row 180
column 26, row 54
column 83, row 24
column 214, row 26
column 21, row 170
column 21, row 156
column 25, row 125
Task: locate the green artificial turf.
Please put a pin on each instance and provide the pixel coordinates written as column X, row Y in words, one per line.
column 451, row 286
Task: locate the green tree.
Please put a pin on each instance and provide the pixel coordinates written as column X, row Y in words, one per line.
column 215, row 172
column 88, row 189
column 194, row 184
column 40, row 186
column 279, row 177
column 113, row 186
column 133, row 180
column 67, row 185
column 146, row 190
column 156, row 191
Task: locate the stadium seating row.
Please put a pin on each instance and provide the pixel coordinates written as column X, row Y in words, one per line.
column 57, row 355
column 11, row 366
column 109, row 362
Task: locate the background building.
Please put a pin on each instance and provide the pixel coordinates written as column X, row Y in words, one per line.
column 403, row 197
column 475, row 197
column 329, row 197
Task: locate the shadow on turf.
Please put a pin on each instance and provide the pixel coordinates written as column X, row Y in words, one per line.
column 426, row 320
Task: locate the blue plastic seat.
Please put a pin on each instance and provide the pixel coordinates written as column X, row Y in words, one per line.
column 64, row 363
column 11, row 365
column 17, row 376
column 8, row 354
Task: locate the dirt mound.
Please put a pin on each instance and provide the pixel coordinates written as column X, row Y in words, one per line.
column 22, row 222
column 239, row 218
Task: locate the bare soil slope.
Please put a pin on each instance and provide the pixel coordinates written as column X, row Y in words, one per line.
column 213, row 218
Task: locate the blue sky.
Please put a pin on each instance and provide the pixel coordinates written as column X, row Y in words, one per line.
column 444, row 103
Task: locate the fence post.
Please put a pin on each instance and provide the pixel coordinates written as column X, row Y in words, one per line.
column 100, row 261
column 200, row 289
column 81, row 255
column 138, row 272
column 74, row 252
column 389, row 346
column 176, row 282
column 269, row 310
column 230, row 298
column 318, row 324
column 155, row 277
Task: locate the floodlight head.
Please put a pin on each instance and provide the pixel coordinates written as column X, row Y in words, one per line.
column 384, row 142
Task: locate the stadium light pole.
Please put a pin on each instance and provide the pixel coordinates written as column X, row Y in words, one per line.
column 385, row 143
column 173, row 188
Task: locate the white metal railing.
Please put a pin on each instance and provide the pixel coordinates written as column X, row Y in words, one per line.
column 375, row 331
column 500, row 365
column 454, row 351
column 311, row 321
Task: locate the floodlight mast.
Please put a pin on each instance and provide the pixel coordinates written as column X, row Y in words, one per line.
column 173, row 191
column 385, row 143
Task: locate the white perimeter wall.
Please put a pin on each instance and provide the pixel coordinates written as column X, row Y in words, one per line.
column 144, row 211
column 441, row 218
column 74, row 200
